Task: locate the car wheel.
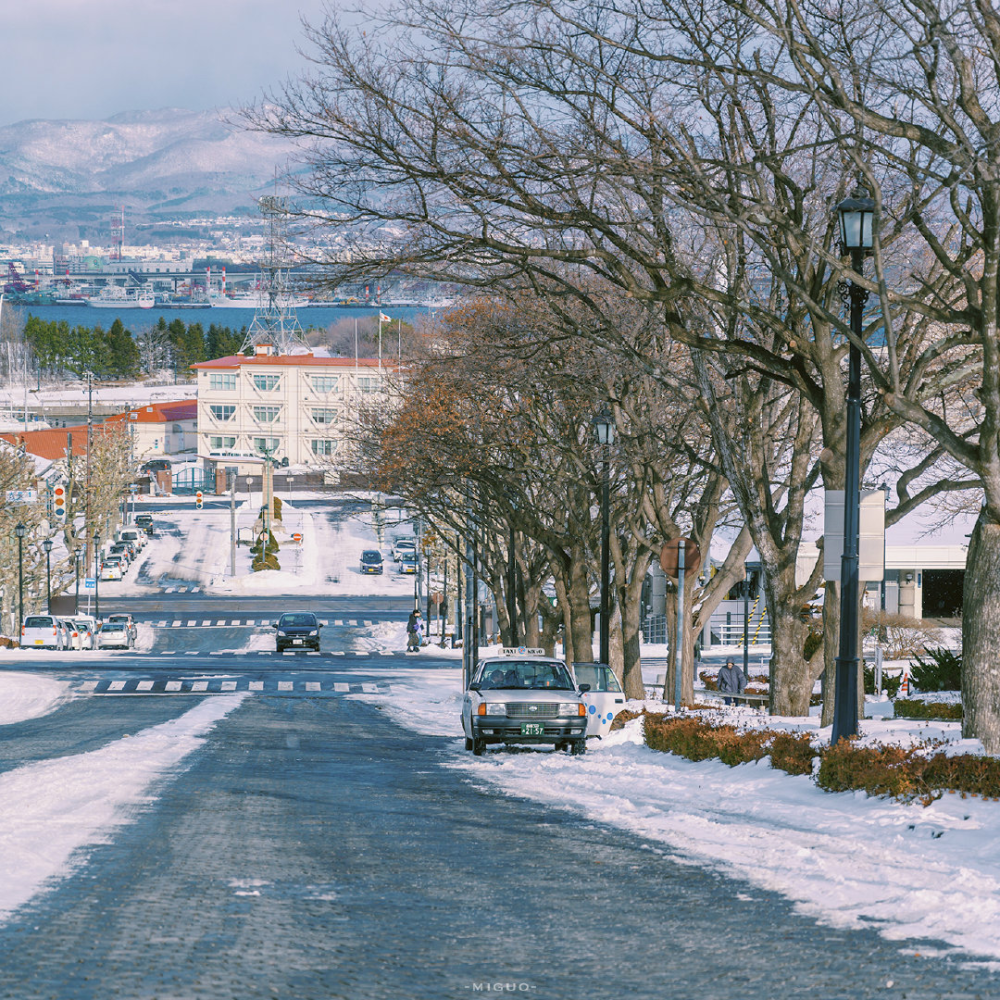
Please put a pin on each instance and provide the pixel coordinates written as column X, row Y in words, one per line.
column 468, row 743
column 478, row 746
column 279, row 649
column 579, row 747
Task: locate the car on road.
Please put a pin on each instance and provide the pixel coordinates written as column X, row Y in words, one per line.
column 86, row 639
column 123, row 550
column 371, row 561
column 526, row 697
column 296, row 630
column 42, row 632
column 112, row 568
column 135, row 536
column 114, row 635
column 133, row 631
column 407, row 563
column 143, row 521
column 404, row 543
column 605, row 699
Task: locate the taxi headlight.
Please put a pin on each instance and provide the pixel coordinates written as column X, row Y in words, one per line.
column 314, row 632
column 568, row 708
column 496, row 708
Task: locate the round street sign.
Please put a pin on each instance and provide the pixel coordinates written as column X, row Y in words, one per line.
column 669, row 553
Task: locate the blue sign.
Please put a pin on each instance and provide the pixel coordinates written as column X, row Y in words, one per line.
column 89, row 583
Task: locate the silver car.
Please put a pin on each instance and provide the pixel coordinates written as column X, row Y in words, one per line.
column 524, row 697
column 114, row 635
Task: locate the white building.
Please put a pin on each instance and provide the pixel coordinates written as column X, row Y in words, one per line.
column 298, row 408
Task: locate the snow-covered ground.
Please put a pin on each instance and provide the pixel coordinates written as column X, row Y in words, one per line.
column 54, row 810
column 845, row 859
column 327, row 560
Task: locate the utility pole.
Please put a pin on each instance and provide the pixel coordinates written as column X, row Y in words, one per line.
column 232, row 523
column 90, row 431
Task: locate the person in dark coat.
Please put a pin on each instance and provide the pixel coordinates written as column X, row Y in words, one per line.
column 732, row 681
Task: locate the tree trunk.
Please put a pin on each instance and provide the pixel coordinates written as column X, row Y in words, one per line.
column 831, row 647
column 791, row 677
column 981, row 636
column 687, row 651
column 631, row 676
column 580, row 622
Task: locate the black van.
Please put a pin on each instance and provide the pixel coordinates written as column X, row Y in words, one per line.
column 371, row 561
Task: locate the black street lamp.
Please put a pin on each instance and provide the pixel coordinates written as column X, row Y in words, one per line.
column 19, row 530
column 604, row 426
column 97, row 576
column 857, row 225
column 76, row 602
column 47, row 545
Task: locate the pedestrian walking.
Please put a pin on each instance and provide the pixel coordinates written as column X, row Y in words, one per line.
column 414, row 631
column 732, row 681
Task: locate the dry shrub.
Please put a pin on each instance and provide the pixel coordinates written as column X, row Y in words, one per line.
column 625, row 715
column 901, row 637
column 904, row 708
column 793, row 753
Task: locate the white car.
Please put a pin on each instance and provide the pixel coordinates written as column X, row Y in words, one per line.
column 134, row 535
column 42, row 632
column 114, row 635
column 87, row 631
column 404, row 543
column 133, row 631
column 112, row 568
column 526, row 697
column 605, row 699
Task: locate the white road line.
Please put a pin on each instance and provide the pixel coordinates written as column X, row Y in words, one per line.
column 161, row 625
column 336, row 652
column 339, row 621
column 144, row 686
column 340, row 686
column 312, row 686
column 192, row 652
column 116, row 686
column 169, row 590
column 173, row 686
column 176, row 623
column 370, row 688
column 256, row 685
column 222, row 621
column 352, row 621
column 191, row 623
column 205, row 621
column 235, row 621
column 312, row 652
column 88, row 685
column 387, row 652
column 195, row 590
column 285, row 686
column 229, row 685
column 199, row 686
column 215, row 652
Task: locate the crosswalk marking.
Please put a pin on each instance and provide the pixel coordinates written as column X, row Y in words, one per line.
column 176, row 622
column 88, row 685
column 173, row 686
column 221, row 621
column 339, row 686
column 313, row 686
column 228, row 686
column 256, row 685
column 144, row 686
column 199, row 686
column 235, row 621
column 370, row 688
column 116, row 686
column 285, row 686
column 219, row 685
column 192, row 623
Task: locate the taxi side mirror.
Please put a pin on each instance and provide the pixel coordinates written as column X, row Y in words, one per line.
column 274, row 624
column 473, row 687
column 584, row 688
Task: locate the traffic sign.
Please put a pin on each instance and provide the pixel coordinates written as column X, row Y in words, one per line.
column 90, row 583
column 669, row 556
column 59, row 501
column 296, row 537
column 22, row 496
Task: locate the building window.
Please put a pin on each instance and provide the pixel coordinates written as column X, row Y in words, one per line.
column 324, row 447
column 266, row 382
column 325, row 383
column 266, row 444
column 218, row 443
column 266, row 414
column 324, row 416
column 366, row 384
column 223, row 412
column 222, row 381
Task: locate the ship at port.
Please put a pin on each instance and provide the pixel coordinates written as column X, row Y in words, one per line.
column 117, row 297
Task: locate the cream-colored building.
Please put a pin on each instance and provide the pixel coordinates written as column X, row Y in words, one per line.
column 297, row 408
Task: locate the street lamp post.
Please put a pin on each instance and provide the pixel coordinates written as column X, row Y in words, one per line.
column 857, row 224
column 604, row 426
column 76, row 600
column 97, row 576
column 47, row 545
column 19, row 530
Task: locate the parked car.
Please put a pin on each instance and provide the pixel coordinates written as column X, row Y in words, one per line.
column 143, row 521
column 42, row 632
column 133, row 631
column 87, row 629
column 112, row 568
column 114, row 635
column 134, row 535
column 526, row 697
column 404, row 543
column 605, row 699
column 408, row 563
column 123, row 550
column 371, row 561
column 299, row 629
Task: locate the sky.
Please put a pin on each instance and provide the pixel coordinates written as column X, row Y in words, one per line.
column 90, row 59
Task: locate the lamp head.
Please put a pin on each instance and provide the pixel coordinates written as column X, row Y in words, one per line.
column 604, row 426
column 47, row 545
column 19, row 530
column 857, row 221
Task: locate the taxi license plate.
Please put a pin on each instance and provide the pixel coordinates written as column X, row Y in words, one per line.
column 38, row 642
column 532, row 729
column 296, row 642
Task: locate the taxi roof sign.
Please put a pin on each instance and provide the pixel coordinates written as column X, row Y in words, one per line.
column 521, row 651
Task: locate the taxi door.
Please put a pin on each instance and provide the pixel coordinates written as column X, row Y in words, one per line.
column 605, row 699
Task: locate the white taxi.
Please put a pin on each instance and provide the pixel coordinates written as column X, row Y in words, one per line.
column 605, row 699
column 524, row 696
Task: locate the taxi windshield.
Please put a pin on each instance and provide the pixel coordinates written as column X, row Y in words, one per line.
column 298, row 619
column 526, row 675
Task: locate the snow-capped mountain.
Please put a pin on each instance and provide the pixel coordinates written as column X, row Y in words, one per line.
column 161, row 165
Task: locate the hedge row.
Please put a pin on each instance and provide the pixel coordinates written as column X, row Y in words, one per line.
column 906, row 709
column 906, row 773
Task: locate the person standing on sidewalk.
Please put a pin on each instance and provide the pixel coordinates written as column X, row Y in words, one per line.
column 732, row 681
